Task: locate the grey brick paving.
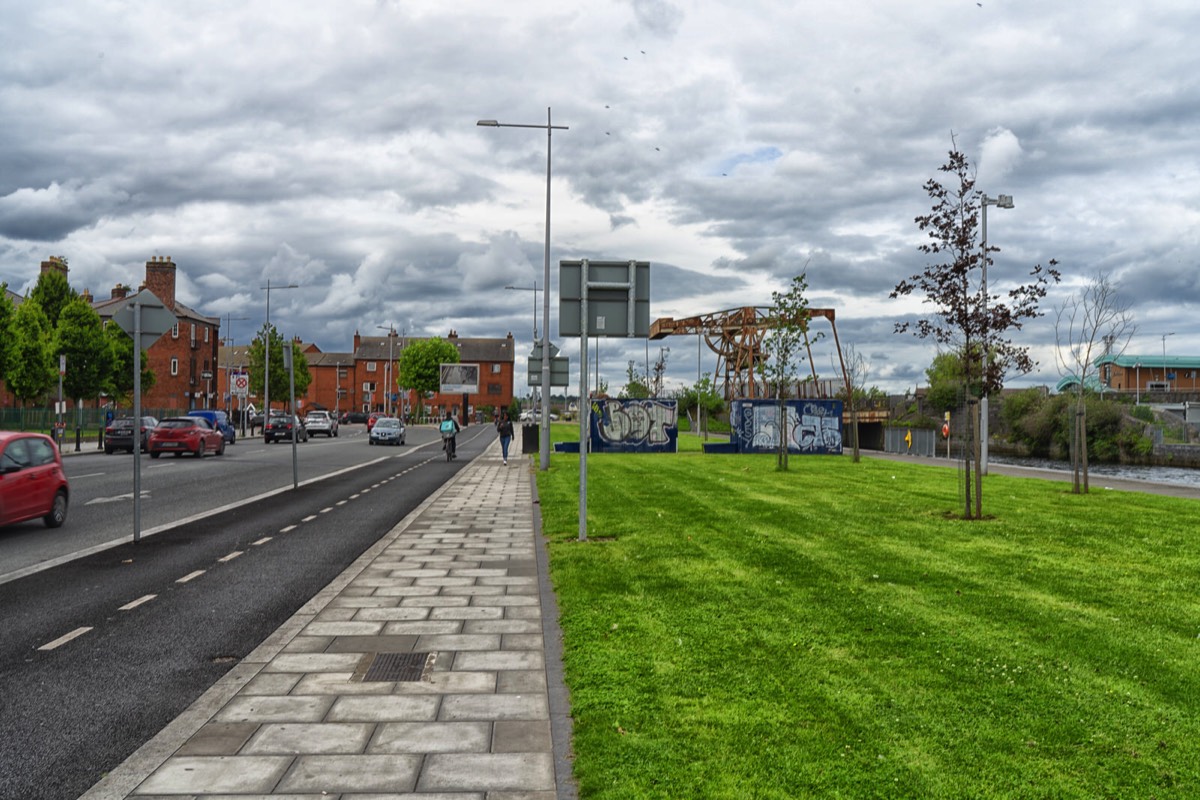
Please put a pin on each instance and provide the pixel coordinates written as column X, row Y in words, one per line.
column 457, row 579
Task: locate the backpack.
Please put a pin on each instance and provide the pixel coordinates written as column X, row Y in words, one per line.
column 447, row 426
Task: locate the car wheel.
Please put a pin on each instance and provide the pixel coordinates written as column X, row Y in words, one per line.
column 371, row 442
column 130, row 451
column 58, row 511
column 333, row 434
column 108, row 451
column 178, row 453
column 155, row 454
column 221, row 448
column 200, row 450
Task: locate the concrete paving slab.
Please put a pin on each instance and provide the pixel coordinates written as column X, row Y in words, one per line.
column 327, row 738
column 362, row 773
column 487, row 772
column 391, row 708
column 203, row 774
column 435, row 737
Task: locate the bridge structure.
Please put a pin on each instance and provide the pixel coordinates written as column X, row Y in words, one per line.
column 736, row 335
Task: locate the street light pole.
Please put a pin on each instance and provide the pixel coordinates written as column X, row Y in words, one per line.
column 1000, row 201
column 544, row 449
column 1164, row 346
column 267, row 351
column 387, row 372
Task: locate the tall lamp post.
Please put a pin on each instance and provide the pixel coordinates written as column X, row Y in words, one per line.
column 228, row 342
column 1164, row 345
column 544, row 443
column 267, row 351
column 387, row 372
column 1000, row 201
column 535, row 290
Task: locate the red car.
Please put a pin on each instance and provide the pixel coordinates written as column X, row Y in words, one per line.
column 371, row 420
column 32, row 482
column 180, row 435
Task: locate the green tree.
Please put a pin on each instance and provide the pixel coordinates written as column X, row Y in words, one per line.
column 90, row 357
column 120, row 379
column 29, row 352
column 966, row 317
column 784, row 348
column 945, row 376
column 420, row 365
column 635, row 384
column 703, row 399
column 6, row 316
column 280, row 385
column 52, row 293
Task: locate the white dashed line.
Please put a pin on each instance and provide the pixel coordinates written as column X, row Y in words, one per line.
column 64, row 639
column 325, row 510
column 138, row 602
column 230, row 557
column 340, row 503
column 263, row 540
column 353, row 497
column 309, row 518
column 191, row 576
column 288, row 528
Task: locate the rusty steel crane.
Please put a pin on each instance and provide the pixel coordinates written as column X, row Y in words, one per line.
column 736, row 335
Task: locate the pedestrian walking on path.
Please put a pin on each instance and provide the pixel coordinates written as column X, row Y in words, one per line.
column 505, row 428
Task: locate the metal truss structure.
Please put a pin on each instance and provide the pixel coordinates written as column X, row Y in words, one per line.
column 736, row 335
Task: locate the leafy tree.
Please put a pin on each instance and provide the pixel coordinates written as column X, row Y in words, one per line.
column 946, row 378
column 635, row 383
column 784, row 351
column 1095, row 317
column 856, row 368
column 120, row 380
column 420, row 364
column 52, row 293
column 90, row 357
column 280, row 382
column 29, row 352
column 6, row 316
column 702, row 398
column 967, row 319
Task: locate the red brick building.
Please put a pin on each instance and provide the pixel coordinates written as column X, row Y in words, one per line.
column 184, row 359
column 358, row 380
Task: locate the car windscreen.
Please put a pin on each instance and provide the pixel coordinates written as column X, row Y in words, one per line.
column 195, row 422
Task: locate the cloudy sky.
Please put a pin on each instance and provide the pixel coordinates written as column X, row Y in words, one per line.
column 731, row 144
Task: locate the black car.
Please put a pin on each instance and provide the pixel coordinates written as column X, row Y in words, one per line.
column 280, row 428
column 353, row 418
column 118, row 434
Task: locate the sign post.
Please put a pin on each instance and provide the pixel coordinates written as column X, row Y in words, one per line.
column 599, row 298
column 145, row 318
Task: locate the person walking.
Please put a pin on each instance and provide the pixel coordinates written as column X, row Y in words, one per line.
column 505, row 427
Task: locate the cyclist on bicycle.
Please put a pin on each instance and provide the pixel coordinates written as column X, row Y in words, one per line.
column 449, row 429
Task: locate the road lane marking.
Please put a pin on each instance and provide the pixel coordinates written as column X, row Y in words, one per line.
column 191, row 576
column 116, row 498
column 340, row 503
column 263, row 540
column 354, row 496
column 131, row 606
column 88, row 475
column 309, row 518
column 325, row 510
column 288, row 528
column 230, row 557
column 60, row 641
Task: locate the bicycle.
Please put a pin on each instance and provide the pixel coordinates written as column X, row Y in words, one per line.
column 448, row 445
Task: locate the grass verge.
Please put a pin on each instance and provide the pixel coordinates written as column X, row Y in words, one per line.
column 834, row 631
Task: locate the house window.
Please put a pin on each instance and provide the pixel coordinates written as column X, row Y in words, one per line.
column 494, row 388
column 174, row 366
column 175, row 330
column 370, row 366
column 495, row 369
column 206, row 334
column 193, row 336
column 368, row 386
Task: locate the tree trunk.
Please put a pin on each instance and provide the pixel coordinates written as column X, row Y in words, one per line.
column 1083, row 448
column 854, row 429
column 975, row 418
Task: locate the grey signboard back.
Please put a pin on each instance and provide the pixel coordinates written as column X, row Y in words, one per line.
column 618, row 298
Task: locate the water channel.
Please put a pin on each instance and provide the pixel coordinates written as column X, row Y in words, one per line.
column 1181, row 476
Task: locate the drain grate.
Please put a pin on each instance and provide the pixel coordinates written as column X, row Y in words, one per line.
column 396, row 666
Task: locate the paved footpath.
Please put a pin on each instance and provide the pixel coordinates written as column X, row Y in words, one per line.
column 428, row 670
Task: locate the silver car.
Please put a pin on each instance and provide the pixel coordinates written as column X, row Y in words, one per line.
column 387, row 430
column 321, row 422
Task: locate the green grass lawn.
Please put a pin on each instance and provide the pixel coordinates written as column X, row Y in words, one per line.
column 835, row 631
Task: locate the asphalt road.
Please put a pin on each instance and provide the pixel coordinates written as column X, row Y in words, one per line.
column 101, row 652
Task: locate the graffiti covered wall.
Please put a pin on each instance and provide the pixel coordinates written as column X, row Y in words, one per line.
column 814, row 426
column 634, row 426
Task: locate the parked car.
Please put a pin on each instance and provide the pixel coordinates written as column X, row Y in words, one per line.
column 255, row 420
column 280, row 427
column 353, row 418
column 32, row 481
column 321, row 422
column 118, row 434
column 217, row 419
column 386, row 430
column 181, row 435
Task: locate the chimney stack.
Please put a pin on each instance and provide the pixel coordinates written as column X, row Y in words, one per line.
column 119, row 292
column 160, row 279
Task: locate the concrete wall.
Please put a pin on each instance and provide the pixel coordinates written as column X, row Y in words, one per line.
column 634, row 426
column 813, row 426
